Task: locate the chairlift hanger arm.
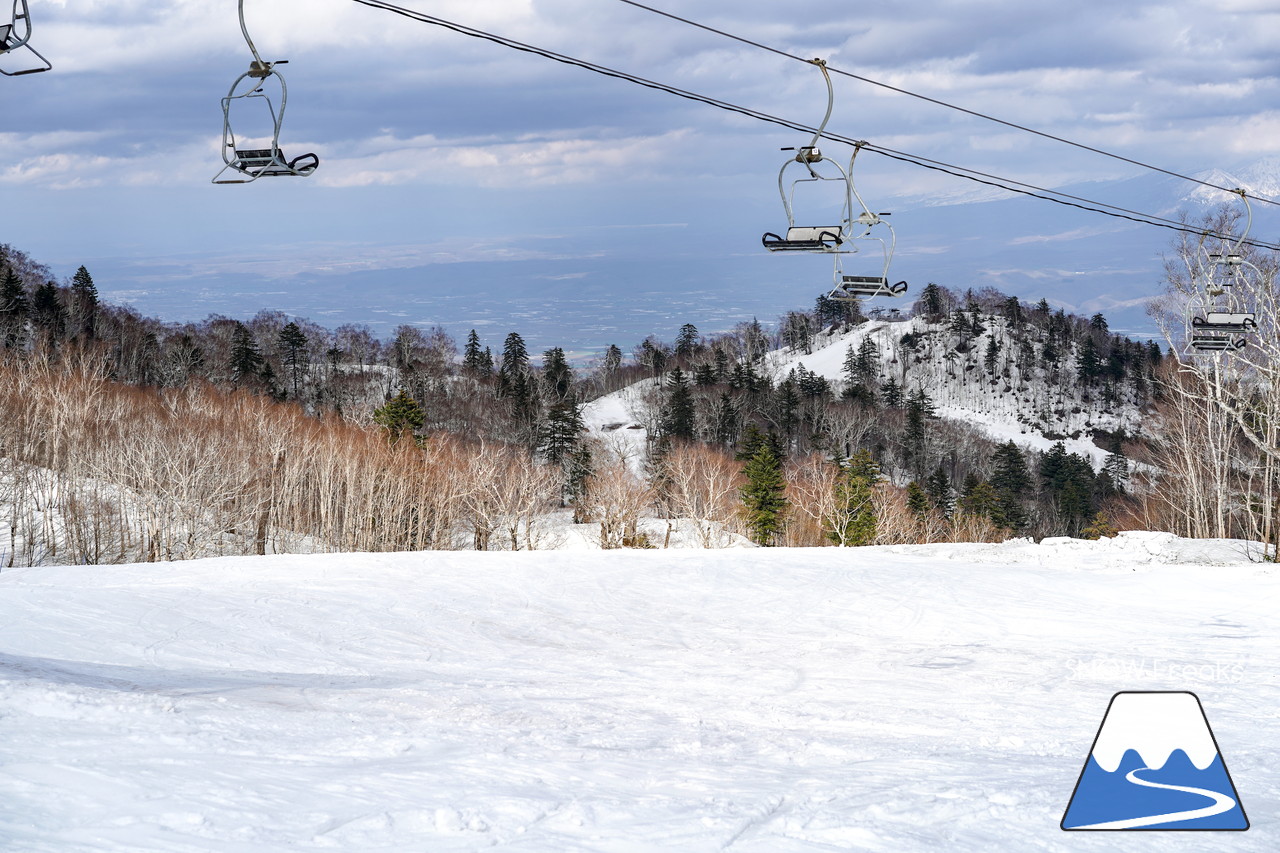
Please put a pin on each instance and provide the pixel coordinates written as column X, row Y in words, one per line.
column 16, row 35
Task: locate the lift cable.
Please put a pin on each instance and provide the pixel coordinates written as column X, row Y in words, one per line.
column 1006, row 184
column 946, row 104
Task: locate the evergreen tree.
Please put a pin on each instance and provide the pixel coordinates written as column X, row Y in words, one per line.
column 515, row 357
column 560, row 431
column 891, row 394
column 687, row 341
column 246, row 359
column 293, row 342
column 84, row 304
column 1010, row 481
column 938, row 487
column 931, row 303
column 704, row 375
column 1088, row 363
column 400, row 414
column 1116, row 470
column 991, row 357
column 726, row 429
column 473, row 358
column 787, row 404
column 47, row 312
column 722, row 365
column 763, row 500
column 866, row 364
column 980, row 501
column 578, row 467
column 557, row 376
column 854, row 519
column 612, row 359
column 918, row 500
column 14, row 309
column 677, row 420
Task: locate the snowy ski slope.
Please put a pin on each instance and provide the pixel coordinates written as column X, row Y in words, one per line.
column 926, row 698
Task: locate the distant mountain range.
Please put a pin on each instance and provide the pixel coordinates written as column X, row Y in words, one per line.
column 619, row 287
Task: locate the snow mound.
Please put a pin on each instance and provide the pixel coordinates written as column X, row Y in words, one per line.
column 1129, row 551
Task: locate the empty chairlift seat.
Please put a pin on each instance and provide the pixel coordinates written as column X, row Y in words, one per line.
column 805, row 238
column 870, row 286
column 1214, row 343
column 1222, row 321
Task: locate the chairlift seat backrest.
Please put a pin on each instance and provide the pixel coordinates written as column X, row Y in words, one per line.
column 5, row 29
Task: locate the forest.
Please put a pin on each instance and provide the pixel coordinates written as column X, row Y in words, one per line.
column 127, row 438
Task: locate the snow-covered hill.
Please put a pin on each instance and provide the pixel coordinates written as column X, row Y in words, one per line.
column 1029, row 409
column 900, row 699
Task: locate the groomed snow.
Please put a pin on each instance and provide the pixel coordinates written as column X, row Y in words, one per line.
column 924, row 698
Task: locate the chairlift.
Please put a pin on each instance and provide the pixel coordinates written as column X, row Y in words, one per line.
column 871, row 226
column 812, row 238
column 16, row 35
column 1227, row 267
column 246, row 163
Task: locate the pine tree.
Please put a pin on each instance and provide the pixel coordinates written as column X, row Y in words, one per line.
column 1116, row 470
column 980, row 501
column 931, row 303
column 612, row 359
column 515, row 356
column 293, row 341
column 866, row 365
column 991, row 356
column 938, row 487
column 14, row 309
column 854, row 520
column 891, row 393
column 677, row 420
column 47, row 312
column 1010, row 481
column 84, row 304
column 1088, row 363
column 918, row 500
column 726, row 429
column 578, row 467
column 704, row 375
column 557, row 376
column 764, row 503
column 559, row 433
column 687, row 341
column 402, row 413
column 787, row 405
column 473, row 358
column 246, row 359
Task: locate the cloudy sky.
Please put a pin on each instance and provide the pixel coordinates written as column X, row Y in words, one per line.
column 438, row 147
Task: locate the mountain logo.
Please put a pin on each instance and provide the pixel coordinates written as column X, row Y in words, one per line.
column 1155, row 765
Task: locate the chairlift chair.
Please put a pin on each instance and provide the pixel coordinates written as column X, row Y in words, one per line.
column 1225, row 321
column 872, row 227
column 245, row 163
column 812, row 238
column 16, row 35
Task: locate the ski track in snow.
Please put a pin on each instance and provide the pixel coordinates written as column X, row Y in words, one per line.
column 917, row 698
column 1221, row 803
